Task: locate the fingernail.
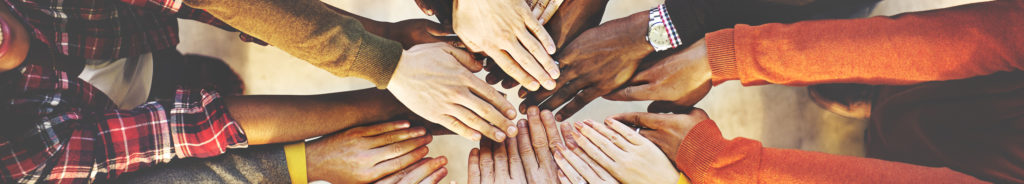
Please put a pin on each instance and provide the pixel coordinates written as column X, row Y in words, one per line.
column 550, row 85
column 420, row 132
column 512, row 131
column 588, row 122
column 430, row 12
column 404, row 125
column 578, row 125
column 500, row 137
column 558, row 117
column 475, row 136
column 554, row 73
column 511, row 113
column 532, row 86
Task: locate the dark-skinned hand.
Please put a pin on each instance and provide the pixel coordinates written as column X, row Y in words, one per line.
column 594, row 64
column 419, row 31
column 366, row 153
column 683, row 78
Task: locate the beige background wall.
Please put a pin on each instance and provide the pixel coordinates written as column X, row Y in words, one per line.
column 779, row 116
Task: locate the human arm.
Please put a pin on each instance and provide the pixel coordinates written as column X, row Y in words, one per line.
column 268, row 119
column 313, row 32
column 698, row 149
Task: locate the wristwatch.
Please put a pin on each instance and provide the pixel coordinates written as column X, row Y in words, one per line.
column 661, row 33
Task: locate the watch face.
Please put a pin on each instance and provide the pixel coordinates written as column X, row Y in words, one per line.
column 658, row 36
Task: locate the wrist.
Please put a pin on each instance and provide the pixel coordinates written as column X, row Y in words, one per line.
column 638, row 24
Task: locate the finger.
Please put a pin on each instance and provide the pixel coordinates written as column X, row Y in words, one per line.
column 459, row 127
column 583, row 155
column 508, row 83
column 633, row 93
column 544, row 59
column 564, row 94
column 541, row 34
column 441, row 31
column 530, row 64
column 629, row 134
column 499, row 107
column 581, row 167
column 526, row 153
column 617, row 140
column 377, row 129
column 487, row 175
column 515, row 161
column 566, row 130
column 501, row 164
column 400, row 148
column 473, row 121
column 543, row 146
column 436, row 176
column 533, row 98
column 581, row 100
column 595, row 145
column 550, row 9
column 465, row 58
column 566, row 169
column 400, row 175
column 551, row 128
column 396, row 164
column 563, row 179
column 422, row 171
column 509, row 65
column 396, row 136
column 641, row 119
column 473, row 167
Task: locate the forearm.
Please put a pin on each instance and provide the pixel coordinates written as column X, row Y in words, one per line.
column 277, row 119
column 313, row 32
column 947, row 44
column 704, row 150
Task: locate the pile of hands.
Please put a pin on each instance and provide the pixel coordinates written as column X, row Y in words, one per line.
column 435, row 80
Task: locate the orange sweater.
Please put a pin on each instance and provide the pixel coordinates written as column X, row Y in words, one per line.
column 946, row 44
column 953, row 43
column 706, row 157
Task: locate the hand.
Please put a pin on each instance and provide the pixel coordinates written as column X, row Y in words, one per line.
column 599, row 61
column 535, row 150
column 576, row 164
column 428, row 170
column 568, row 22
column 624, row 153
column 365, row 154
column 429, row 81
column 419, row 31
column 506, row 31
column 543, row 10
column 665, row 130
column 496, row 163
column 683, row 78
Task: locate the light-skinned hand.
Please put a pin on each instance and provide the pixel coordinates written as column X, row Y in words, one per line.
column 665, row 130
column 624, row 153
column 367, row 153
column 683, row 78
column 432, row 80
column 508, row 32
column 575, row 164
column 426, row 171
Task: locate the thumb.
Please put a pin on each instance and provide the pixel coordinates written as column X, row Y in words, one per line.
column 464, row 58
column 641, row 119
column 425, row 7
column 632, row 93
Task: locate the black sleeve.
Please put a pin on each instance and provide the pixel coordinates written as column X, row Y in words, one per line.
column 256, row 164
column 693, row 18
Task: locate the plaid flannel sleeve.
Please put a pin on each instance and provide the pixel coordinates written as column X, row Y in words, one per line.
column 161, row 6
column 197, row 126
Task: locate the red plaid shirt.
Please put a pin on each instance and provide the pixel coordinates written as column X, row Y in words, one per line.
column 109, row 29
column 60, row 129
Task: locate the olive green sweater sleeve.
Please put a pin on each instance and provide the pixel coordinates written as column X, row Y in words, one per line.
column 309, row 30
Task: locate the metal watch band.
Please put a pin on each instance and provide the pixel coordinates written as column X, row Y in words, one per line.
column 659, row 19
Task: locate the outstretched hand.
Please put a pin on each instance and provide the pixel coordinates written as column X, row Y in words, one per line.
column 507, row 32
column 432, row 83
column 683, row 78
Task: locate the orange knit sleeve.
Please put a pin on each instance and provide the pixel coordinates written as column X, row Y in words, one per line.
column 705, row 157
column 945, row 44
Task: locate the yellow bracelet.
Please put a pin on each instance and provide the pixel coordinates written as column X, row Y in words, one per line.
column 295, row 155
column 683, row 179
